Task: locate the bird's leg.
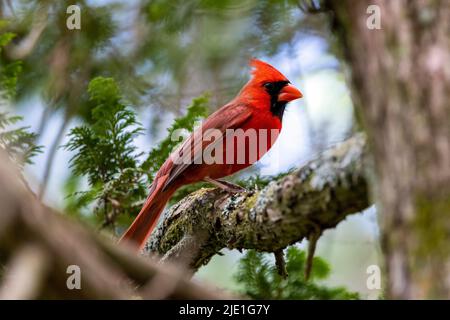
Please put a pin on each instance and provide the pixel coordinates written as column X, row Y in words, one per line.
column 312, row 239
column 225, row 185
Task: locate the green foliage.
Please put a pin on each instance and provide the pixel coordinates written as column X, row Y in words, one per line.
column 105, row 148
column 18, row 142
column 8, row 78
column 260, row 278
column 6, row 38
column 9, row 72
column 106, row 154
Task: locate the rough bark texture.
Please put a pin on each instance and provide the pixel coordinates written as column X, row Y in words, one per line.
column 37, row 246
column 400, row 77
column 311, row 199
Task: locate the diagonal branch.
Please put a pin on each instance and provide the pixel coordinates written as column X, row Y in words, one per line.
column 37, row 245
column 315, row 197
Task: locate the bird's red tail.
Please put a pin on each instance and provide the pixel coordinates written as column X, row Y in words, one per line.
column 147, row 219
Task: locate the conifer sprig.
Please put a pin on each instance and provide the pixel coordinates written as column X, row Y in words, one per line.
column 260, row 279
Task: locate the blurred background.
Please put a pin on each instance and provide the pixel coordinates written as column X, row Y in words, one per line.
column 165, row 53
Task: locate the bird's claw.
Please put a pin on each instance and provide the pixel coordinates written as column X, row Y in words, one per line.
column 226, row 185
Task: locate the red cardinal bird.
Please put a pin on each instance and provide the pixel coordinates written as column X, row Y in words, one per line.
column 258, row 107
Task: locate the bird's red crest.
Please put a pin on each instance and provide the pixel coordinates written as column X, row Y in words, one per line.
column 262, row 71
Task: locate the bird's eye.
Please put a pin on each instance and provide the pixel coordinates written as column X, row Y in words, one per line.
column 268, row 85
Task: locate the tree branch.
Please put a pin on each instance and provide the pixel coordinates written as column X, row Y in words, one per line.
column 37, row 245
column 316, row 196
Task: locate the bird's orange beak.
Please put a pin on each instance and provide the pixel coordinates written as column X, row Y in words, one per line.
column 289, row 93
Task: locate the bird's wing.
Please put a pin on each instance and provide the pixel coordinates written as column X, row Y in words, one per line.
column 231, row 116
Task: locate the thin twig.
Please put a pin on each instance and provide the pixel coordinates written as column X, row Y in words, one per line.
column 280, row 263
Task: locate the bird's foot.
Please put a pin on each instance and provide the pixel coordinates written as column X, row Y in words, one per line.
column 226, row 185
